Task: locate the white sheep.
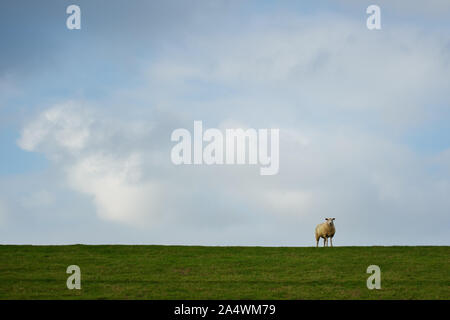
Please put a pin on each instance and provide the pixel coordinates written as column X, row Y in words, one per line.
column 325, row 230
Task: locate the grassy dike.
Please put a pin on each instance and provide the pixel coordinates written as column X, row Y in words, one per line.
column 193, row 272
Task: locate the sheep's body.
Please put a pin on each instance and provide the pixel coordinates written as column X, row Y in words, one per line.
column 325, row 230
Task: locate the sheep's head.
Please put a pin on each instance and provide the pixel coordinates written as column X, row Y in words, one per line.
column 330, row 221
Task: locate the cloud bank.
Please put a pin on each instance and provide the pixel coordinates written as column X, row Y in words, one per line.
column 345, row 100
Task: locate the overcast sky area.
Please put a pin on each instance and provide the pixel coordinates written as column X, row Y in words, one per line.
column 86, row 118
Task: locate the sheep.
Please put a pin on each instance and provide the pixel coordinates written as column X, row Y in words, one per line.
column 325, row 230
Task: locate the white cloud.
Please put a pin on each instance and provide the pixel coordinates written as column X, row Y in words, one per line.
column 85, row 147
column 326, row 66
column 65, row 126
column 116, row 186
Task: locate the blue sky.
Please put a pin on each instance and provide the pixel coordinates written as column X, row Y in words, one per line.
column 86, row 117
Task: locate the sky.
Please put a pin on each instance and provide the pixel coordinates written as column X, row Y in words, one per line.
column 86, row 118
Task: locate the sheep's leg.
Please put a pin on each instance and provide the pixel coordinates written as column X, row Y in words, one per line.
column 317, row 242
column 331, row 241
column 325, row 241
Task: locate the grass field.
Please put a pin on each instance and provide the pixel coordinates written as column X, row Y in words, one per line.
column 185, row 272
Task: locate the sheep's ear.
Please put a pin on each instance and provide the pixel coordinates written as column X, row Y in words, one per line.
column 326, row 219
column 333, row 219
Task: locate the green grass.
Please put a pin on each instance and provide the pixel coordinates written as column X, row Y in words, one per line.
column 188, row 272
